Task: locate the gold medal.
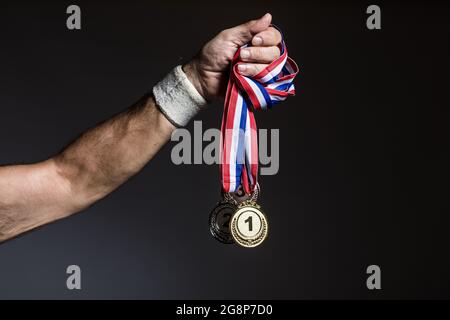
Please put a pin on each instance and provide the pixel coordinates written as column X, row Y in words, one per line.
column 249, row 225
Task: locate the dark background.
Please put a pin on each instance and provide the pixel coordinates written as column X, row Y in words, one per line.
column 364, row 153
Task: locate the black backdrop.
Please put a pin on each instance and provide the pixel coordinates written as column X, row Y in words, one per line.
column 363, row 166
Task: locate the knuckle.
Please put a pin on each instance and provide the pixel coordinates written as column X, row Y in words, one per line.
column 278, row 36
column 225, row 34
column 271, row 54
column 274, row 35
column 268, row 54
column 275, row 32
column 258, row 69
column 276, row 52
column 250, row 23
column 256, row 53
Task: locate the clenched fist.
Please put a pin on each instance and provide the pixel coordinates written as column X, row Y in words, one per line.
column 208, row 71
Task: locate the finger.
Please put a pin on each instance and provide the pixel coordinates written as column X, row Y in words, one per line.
column 243, row 33
column 251, row 69
column 260, row 54
column 267, row 38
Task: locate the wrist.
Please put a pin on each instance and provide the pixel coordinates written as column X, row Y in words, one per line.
column 192, row 73
column 177, row 96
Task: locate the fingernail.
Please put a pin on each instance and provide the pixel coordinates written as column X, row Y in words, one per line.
column 257, row 41
column 245, row 53
column 242, row 67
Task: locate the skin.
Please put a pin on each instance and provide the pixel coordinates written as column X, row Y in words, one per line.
column 105, row 157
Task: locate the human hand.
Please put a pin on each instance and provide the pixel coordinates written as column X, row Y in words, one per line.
column 209, row 70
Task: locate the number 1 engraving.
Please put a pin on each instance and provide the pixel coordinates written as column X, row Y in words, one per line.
column 250, row 223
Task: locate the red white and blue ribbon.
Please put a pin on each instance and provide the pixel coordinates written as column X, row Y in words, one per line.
column 239, row 139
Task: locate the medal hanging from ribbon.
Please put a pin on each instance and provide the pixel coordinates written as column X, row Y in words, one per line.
column 239, row 139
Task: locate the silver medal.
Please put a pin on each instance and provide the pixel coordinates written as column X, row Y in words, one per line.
column 219, row 220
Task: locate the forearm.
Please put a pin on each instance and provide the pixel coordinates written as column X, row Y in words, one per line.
column 27, row 197
column 106, row 156
column 87, row 170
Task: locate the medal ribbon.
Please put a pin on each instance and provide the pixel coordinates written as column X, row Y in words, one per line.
column 239, row 139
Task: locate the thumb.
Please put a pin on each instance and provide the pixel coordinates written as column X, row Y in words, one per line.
column 245, row 32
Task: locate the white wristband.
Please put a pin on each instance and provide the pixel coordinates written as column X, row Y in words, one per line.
column 177, row 97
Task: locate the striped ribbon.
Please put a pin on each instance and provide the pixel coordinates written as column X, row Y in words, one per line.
column 239, row 138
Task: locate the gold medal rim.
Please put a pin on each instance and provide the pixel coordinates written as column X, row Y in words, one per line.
column 262, row 234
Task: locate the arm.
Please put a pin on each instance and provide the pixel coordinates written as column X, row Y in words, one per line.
column 106, row 156
column 93, row 166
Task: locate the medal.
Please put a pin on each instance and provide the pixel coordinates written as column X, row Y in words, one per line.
column 249, row 225
column 219, row 220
